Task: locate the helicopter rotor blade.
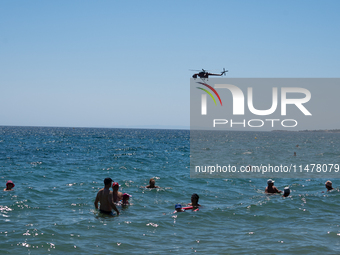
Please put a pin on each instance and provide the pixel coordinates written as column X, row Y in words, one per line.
column 224, row 71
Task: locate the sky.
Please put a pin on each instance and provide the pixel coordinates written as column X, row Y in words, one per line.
column 126, row 63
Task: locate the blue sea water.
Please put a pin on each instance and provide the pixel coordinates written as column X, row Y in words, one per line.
column 58, row 171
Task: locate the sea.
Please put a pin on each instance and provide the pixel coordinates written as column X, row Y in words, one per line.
column 57, row 173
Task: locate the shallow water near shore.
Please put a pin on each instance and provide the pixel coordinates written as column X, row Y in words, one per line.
column 58, row 171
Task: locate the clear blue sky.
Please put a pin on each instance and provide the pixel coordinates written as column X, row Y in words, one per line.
column 126, row 63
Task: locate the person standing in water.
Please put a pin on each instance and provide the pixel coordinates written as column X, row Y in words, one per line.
column 104, row 197
column 271, row 188
column 117, row 195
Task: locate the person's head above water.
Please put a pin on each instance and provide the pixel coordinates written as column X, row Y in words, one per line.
column 270, row 182
column 328, row 185
column 108, row 181
column 115, row 186
column 126, row 197
column 194, row 199
column 195, row 196
column 9, row 185
column 151, row 184
column 286, row 192
column 178, row 207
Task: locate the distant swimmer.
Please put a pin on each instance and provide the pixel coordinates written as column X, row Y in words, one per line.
column 271, row 188
column 178, row 208
column 117, row 195
column 126, row 198
column 104, row 197
column 286, row 192
column 328, row 185
column 194, row 200
column 151, row 185
column 9, row 186
column 294, row 153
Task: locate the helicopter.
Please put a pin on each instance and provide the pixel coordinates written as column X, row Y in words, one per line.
column 204, row 74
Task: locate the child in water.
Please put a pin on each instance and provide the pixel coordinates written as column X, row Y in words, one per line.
column 9, row 186
column 178, row 208
column 126, row 198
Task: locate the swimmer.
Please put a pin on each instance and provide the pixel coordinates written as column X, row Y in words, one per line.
column 328, row 185
column 105, row 198
column 194, row 200
column 178, row 208
column 117, row 195
column 294, row 153
column 152, row 184
column 126, row 198
column 9, row 186
column 286, row 192
column 271, row 188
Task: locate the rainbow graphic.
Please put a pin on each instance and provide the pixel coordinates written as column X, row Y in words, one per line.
column 209, row 93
